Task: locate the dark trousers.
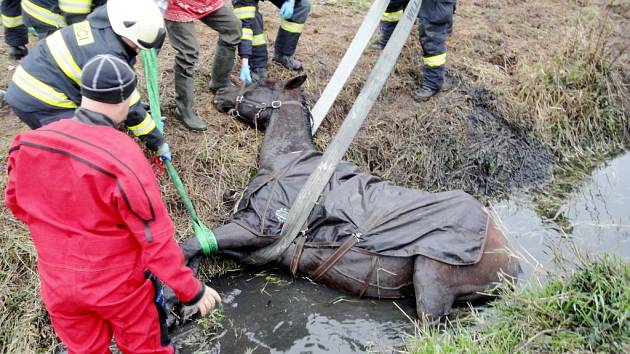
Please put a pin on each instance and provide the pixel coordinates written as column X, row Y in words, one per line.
column 15, row 32
column 435, row 17
column 288, row 33
column 183, row 38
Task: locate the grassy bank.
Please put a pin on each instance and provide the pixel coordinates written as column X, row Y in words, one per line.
column 586, row 310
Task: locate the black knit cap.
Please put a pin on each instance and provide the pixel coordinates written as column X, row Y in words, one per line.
column 107, row 79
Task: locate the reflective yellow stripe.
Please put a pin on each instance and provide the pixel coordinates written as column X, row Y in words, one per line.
column 135, row 97
column 245, row 12
column 40, row 90
column 11, row 22
column 63, row 57
column 434, row 61
column 144, row 127
column 291, row 26
column 392, row 16
column 75, row 6
column 259, row 39
column 43, row 15
column 247, row 35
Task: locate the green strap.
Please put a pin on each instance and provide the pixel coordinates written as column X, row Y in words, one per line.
column 204, row 234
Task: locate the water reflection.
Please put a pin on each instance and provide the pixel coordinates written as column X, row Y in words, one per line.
column 599, row 212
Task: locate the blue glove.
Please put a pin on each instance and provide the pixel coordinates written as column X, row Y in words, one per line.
column 165, row 153
column 246, row 74
column 286, row 11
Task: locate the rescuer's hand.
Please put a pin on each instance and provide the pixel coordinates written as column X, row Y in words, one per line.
column 208, row 301
column 165, row 153
column 246, row 74
column 286, row 10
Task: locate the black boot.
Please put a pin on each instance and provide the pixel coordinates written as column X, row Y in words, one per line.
column 259, row 74
column 288, row 61
column 184, row 95
column 377, row 46
column 18, row 52
column 223, row 63
column 423, row 93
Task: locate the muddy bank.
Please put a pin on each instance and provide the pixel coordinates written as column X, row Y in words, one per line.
column 466, row 143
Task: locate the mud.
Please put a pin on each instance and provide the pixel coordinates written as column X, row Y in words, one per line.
column 466, row 144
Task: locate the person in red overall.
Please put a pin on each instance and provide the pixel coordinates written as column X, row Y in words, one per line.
column 93, row 207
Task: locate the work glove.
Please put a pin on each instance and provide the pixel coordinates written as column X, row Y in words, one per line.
column 286, row 10
column 246, row 74
column 208, row 301
column 164, row 152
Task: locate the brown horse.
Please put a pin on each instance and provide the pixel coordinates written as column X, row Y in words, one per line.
column 365, row 236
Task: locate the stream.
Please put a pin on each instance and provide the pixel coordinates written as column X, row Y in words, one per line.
column 268, row 311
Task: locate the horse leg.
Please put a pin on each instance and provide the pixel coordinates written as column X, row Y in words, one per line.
column 434, row 296
column 439, row 285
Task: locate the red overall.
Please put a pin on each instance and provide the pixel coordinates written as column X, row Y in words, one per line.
column 94, row 211
column 190, row 10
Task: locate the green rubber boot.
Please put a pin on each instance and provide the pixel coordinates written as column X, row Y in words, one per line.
column 222, row 67
column 184, row 94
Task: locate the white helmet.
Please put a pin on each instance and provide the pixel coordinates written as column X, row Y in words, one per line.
column 140, row 21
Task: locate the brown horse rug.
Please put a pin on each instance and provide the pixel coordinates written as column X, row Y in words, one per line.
column 381, row 217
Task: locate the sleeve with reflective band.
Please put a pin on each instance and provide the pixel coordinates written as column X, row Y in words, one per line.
column 40, row 90
column 292, row 27
column 247, row 35
column 12, row 21
column 435, row 61
column 60, row 52
column 75, row 6
column 392, row 16
column 140, row 123
column 245, row 10
column 43, row 15
column 259, row 39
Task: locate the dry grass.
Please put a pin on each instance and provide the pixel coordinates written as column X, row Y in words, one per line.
column 536, row 81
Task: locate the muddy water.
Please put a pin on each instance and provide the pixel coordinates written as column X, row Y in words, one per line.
column 270, row 312
column 599, row 213
column 267, row 311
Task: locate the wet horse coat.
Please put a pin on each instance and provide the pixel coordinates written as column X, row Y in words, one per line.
column 365, row 236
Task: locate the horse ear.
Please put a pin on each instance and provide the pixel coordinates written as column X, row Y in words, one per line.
column 295, row 82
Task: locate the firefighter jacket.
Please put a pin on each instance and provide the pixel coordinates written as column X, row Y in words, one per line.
column 190, row 10
column 93, row 207
column 77, row 10
column 43, row 14
column 253, row 44
column 48, row 78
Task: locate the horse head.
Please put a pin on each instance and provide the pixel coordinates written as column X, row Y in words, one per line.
column 255, row 103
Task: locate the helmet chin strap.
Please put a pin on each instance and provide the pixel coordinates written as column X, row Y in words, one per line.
column 156, row 43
